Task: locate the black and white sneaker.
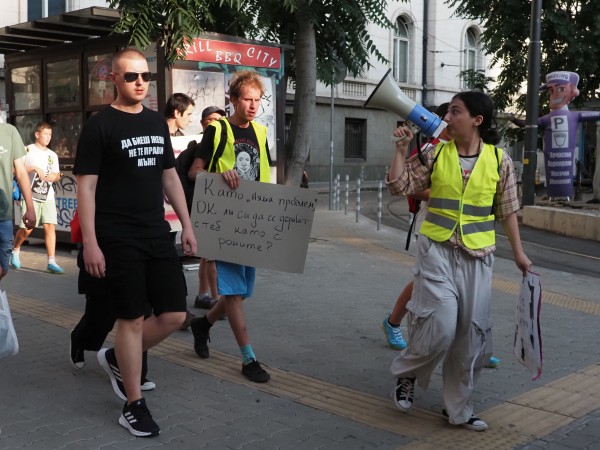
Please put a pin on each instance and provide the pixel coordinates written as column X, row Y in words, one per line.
column 137, row 419
column 474, row 423
column 76, row 354
column 404, row 393
column 108, row 361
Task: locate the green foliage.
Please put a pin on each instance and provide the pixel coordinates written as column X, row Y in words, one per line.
column 570, row 32
column 320, row 33
column 476, row 80
column 340, row 26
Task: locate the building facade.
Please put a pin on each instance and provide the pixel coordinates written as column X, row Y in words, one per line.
column 426, row 53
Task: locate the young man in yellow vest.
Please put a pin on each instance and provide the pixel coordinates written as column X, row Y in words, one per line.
column 244, row 155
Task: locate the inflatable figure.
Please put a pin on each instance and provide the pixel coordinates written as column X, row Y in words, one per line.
column 560, row 132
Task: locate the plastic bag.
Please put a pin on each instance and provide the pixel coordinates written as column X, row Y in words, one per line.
column 527, row 346
column 9, row 345
column 16, row 192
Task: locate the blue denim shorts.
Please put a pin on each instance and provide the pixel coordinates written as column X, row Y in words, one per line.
column 6, row 242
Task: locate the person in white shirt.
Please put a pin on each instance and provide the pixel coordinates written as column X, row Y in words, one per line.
column 42, row 166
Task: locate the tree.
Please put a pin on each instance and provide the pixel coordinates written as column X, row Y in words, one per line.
column 569, row 35
column 570, row 31
column 321, row 32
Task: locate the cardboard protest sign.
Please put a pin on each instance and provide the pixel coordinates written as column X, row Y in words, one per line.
column 258, row 224
column 527, row 346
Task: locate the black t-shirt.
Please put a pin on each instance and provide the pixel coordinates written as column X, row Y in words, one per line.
column 246, row 148
column 128, row 152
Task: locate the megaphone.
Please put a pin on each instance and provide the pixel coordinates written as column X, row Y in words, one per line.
column 387, row 95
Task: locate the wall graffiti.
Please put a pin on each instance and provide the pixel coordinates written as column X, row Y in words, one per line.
column 65, row 191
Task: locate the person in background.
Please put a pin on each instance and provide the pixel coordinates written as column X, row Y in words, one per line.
column 178, row 112
column 207, row 273
column 471, row 186
column 235, row 281
column 42, row 166
column 12, row 152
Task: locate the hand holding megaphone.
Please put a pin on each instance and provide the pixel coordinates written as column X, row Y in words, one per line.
column 402, row 134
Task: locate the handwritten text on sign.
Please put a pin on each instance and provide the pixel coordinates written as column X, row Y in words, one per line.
column 258, row 224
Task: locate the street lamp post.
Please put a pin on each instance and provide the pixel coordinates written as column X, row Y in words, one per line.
column 532, row 106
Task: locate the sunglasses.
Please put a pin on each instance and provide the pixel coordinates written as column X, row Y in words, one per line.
column 130, row 77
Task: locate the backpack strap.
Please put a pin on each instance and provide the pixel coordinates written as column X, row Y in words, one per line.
column 220, row 148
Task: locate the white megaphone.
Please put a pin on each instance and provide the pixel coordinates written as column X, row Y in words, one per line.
column 387, row 95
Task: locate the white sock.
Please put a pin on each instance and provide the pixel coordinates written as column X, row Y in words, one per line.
column 51, row 260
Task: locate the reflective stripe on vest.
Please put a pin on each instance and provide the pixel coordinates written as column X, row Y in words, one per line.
column 472, row 208
column 227, row 159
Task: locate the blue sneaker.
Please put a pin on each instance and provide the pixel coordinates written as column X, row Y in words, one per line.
column 492, row 363
column 393, row 335
column 15, row 261
column 55, row 268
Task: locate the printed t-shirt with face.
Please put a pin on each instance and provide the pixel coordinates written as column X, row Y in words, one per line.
column 47, row 161
column 247, row 153
column 129, row 153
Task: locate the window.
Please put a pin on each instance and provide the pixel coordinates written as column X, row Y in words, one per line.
column 100, row 88
column 401, row 50
column 473, row 58
column 355, row 139
column 26, row 87
column 38, row 9
column 63, row 88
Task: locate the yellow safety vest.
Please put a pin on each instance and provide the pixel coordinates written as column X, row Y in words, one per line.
column 471, row 209
column 226, row 161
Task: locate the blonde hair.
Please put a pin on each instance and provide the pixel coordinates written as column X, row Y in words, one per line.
column 245, row 78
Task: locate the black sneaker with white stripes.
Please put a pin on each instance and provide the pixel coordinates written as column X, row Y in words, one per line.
column 108, row 361
column 404, row 393
column 137, row 419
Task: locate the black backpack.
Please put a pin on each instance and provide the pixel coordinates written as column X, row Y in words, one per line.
column 182, row 165
column 185, row 159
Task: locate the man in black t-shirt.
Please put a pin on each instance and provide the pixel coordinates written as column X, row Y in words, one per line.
column 124, row 163
column 241, row 153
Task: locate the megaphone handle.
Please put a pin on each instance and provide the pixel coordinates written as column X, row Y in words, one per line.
column 396, row 139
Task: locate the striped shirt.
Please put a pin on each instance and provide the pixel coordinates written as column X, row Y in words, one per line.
column 416, row 177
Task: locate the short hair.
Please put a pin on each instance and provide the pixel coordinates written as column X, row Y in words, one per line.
column 42, row 126
column 245, row 78
column 121, row 54
column 177, row 102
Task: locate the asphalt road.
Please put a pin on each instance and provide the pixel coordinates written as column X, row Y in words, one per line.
column 545, row 249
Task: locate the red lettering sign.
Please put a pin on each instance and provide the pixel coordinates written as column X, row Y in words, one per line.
column 233, row 53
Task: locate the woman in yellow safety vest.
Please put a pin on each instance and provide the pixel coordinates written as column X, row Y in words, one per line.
column 472, row 185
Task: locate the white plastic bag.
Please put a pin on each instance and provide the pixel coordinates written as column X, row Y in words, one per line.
column 8, row 337
column 528, row 334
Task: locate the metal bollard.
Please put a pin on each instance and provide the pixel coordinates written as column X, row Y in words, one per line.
column 337, row 192
column 346, row 194
column 379, row 204
column 357, row 199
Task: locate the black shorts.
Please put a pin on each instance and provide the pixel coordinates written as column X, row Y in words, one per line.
column 142, row 274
